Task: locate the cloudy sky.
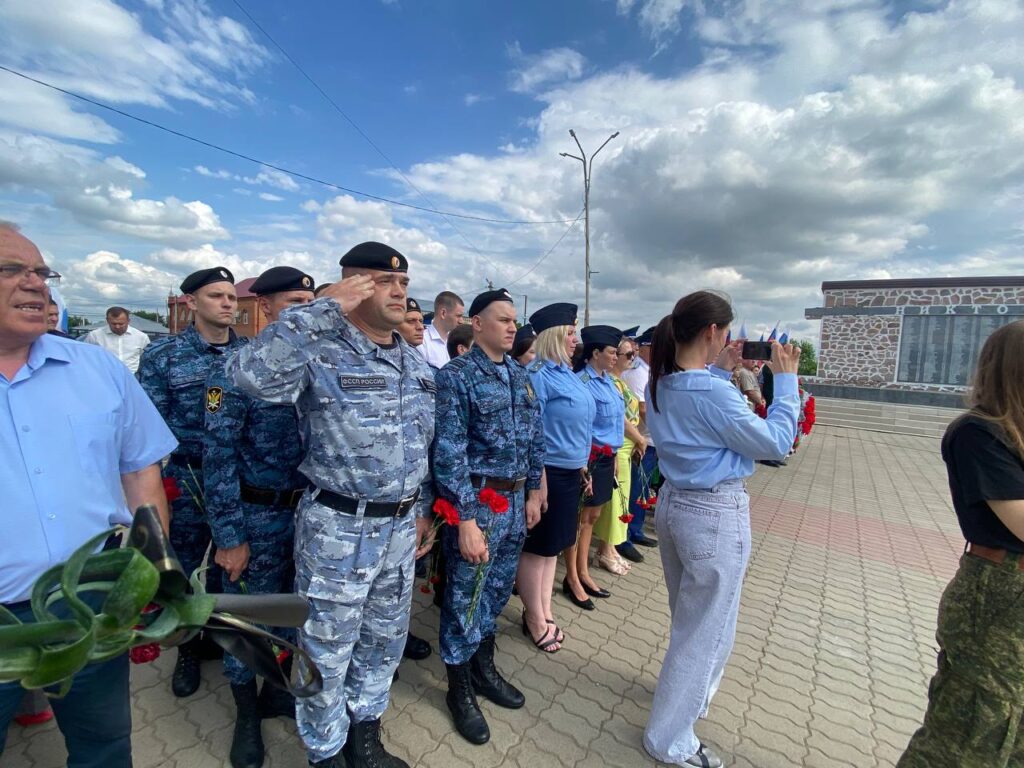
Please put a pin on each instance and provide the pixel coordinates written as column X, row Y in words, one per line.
column 764, row 145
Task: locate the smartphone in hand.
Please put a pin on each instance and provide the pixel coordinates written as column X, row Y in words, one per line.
column 757, row 350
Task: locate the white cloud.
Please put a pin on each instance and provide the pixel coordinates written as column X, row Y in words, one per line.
column 266, row 177
column 270, row 198
column 99, row 192
column 474, row 98
column 534, row 72
column 831, row 140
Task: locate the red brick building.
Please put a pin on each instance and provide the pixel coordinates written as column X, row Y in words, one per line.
column 249, row 321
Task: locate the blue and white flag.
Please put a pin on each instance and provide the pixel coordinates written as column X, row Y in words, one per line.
column 62, row 310
column 743, row 330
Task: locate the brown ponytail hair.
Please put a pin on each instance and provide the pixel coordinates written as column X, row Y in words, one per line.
column 691, row 315
column 997, row 392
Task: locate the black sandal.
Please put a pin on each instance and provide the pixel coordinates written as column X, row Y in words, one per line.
column 542, row 644
column 558, row 631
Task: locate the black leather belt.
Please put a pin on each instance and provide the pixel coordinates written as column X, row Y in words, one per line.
column 497, row 483
column 181, row 460
column 268, row 497
column 350, row 505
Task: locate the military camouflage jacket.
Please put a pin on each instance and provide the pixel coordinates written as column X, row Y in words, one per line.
column 488, row 423
column 366, row 411
column 173, row 372
column 247, row 441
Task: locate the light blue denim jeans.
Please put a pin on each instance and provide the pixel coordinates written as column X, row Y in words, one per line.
column 705, row 545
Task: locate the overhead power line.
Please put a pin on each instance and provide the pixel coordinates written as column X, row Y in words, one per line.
column 363, row 133
column 272, row 166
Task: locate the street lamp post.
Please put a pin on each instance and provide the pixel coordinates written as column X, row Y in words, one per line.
column 588, row 165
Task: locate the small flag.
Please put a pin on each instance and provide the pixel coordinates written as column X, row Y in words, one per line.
column 728, row 337
column 62, row 310
column 775, row 331
column 762, row 337
column 784, row 338
column 743, row 330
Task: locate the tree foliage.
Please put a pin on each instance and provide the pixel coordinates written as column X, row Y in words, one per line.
column 808, row 358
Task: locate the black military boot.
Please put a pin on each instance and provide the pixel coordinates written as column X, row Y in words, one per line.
column 185, row 680
column 488, row 682
column 277, row 702
column 469, row 720
column 363, row 748
column 247, row 742
column 416, row 648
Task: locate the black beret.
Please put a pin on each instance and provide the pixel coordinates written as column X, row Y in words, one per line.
column 428, row 318
column 553, row 315
column 644, row 339
column 277, row 279
column 197, row 280
column 526, row 332
column 630, row 333
column 378, row 256
column 604, row 335
column 484, row 300
column 411, row 305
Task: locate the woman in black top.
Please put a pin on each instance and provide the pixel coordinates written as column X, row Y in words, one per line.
column 976, row 699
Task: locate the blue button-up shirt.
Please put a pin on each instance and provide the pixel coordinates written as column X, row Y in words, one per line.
column 72, row 421
column 610, row 417
column 706, row 434
column 567, row 409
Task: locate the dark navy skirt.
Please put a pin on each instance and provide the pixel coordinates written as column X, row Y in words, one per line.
column 603, row 472
column 556, row 530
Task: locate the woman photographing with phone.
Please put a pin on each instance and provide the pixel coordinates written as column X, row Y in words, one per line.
column 708, row 441
column 976, row 697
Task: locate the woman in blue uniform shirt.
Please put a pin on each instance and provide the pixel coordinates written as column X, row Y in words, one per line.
column 708, row 440
column 567, row 408
column 600, row 352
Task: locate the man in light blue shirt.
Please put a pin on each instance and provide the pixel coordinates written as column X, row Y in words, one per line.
column 81, row 444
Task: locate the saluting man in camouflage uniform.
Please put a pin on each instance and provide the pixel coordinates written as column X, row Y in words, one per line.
column 173, row 372
column 490, row 442
column 251, row 476
column 366, row 404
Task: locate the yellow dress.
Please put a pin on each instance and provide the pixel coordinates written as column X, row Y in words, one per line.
column 609, row 528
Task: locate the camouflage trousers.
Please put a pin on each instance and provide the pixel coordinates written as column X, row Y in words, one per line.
column 190, row 533
column 460, row 635
column 356, row 573
column 976, row 698
column 270, row 533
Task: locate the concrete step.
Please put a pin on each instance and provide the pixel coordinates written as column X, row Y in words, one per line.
column 885, row 417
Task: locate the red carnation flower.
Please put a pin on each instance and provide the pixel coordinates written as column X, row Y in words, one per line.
column 425, row 589
column 446, row 511
column 606, row 450
column 144, row 654
column 435, row 579
column 651, row 502
column 626, row 519
column 171, row 489
column 282, row 656
column 494, row 500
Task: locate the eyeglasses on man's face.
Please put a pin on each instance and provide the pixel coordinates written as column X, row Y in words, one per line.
column 18, row 271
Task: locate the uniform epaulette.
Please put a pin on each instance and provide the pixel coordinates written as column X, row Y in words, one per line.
column 584, row 376
column 535, row 366
column 158, row 345
column 458, row 363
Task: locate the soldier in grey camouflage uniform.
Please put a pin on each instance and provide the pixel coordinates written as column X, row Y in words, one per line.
column 366, row 404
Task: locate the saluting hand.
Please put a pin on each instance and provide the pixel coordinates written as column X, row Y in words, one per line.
column 350, row 292
column 785, row 358
column 472, row 544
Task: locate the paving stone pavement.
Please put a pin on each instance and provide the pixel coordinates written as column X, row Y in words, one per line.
column 853, row 543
